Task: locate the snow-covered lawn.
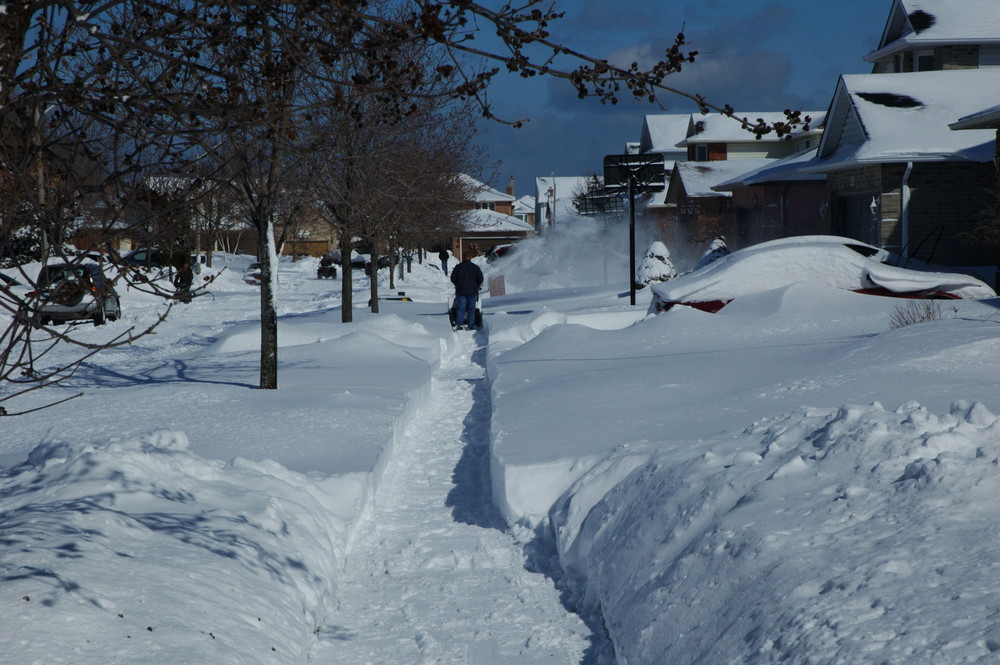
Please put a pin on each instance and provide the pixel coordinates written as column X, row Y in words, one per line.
column 788, row 480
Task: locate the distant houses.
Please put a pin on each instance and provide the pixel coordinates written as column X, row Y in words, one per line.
column 904, row 158
column 495, row 218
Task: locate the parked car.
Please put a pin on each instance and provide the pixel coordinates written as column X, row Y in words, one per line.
column 252, row 274
column 497, row 251
column 838, row 262
column 72, row 292
column 14, row 287
column 383, row 262
column 144, row 258
column 154, row 259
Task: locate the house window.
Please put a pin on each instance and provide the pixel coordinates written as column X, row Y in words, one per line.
column 701, row 153
column 486, row 205
column 925, row 61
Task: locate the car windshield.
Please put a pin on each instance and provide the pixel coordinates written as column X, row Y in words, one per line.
column 86, row 273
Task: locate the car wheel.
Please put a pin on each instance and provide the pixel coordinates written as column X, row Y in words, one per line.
column 99, row 318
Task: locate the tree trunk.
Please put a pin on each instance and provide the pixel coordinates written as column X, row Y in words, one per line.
column 373, row 277
column 392, row 269
column 346, row 284
column 268, row 313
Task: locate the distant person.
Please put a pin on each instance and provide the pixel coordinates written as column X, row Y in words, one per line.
column 468, row 279
column 443, row 255
column 183, row 281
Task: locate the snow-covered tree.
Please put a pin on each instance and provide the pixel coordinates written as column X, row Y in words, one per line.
column 656, row 266
column 716, row 250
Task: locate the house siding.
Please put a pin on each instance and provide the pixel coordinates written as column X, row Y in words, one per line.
column 956, row 57
column 947, row 201
column 950, row 197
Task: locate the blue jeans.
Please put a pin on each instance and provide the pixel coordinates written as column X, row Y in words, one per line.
column 465, row 311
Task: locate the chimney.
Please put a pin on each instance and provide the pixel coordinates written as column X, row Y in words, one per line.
column 510, row 186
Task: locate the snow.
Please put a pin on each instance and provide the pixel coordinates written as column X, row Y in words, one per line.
column 906, row 117
column 789, row 480
column 822, row 260
column 723, row 128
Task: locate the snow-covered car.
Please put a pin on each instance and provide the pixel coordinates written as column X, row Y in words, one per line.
column 72, row 292
column 13, row 287
column 252, row 274
column 838, row 262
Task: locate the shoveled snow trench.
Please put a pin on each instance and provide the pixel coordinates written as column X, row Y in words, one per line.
column 433, row 575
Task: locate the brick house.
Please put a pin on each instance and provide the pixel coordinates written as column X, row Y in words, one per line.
column 717, row 151
column 778, row 200
column 938, row 35
column 897, row 175
column 491, row 220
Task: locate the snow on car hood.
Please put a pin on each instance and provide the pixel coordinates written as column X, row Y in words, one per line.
column 900, row 280
column 817, row 259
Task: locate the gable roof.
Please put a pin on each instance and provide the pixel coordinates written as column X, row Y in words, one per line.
column 720, row 128
column 698, row 178
column 883, row 118
column 566, row 187
column 525, row 205
column 914, row 24
column 663, row 131
column 483, row 192
column 482, row 220
column 788, row 169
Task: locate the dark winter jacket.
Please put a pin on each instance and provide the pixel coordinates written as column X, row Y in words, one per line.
column 467, row 278
column 184, row 278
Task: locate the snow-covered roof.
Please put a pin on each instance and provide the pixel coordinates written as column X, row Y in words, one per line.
column 914, row 24
column 565, row 188
column 483, row 192
column 720, row 128
column 881, row 118
column 482, row 220
column 525, row 205
column 788, row 169
column 699, row 178
column 662, row 132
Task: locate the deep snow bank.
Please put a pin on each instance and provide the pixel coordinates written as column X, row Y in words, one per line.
column 163, row 553
column 825, row 536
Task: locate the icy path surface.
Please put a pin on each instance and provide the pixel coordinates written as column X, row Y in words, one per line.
column 459, row 591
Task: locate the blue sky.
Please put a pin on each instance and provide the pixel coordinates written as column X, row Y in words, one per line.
column 757, row 55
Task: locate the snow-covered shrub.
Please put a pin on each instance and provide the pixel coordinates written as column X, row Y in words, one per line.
column 656, row 266
column 715, row 251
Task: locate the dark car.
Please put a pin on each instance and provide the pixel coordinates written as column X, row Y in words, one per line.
column 73, row 292
column 497, row 251
column 155, row 259
column 144, row 258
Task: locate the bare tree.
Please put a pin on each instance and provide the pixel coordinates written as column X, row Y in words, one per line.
column 106, row 94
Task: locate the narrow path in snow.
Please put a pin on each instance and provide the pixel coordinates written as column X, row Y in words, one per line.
column 432, row 576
